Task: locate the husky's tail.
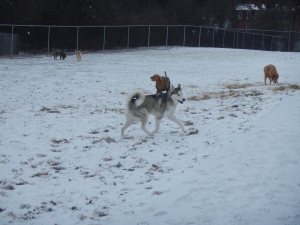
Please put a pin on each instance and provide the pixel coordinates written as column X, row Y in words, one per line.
column 136, row 97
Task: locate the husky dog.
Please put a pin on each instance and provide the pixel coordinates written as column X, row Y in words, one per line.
column 59, row 52
column 78, row 55
column 139, row 106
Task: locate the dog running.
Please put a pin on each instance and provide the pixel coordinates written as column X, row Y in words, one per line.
column 60, row 53
column 78, row 55
column 140, row 106
column 271, row 73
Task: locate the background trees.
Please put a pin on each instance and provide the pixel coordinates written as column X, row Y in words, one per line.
column 280, row 14
column 283, row 15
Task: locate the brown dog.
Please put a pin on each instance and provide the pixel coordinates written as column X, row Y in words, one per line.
column 162, row 83
column 78, row 55
column 271, row 73
column 59, row 52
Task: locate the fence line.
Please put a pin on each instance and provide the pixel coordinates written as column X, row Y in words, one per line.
column 190, row 34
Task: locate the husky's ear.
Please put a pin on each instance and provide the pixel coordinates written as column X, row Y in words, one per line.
column 165, row 74
column 172, row 88
column 179, row 87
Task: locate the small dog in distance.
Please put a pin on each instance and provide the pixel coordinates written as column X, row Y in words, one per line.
column 78, row 55
column 60, row 53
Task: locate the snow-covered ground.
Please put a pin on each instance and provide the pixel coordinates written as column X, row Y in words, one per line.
column 63, row 161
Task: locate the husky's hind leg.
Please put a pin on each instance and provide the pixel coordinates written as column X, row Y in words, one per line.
column 129, row 122
column 175, row 120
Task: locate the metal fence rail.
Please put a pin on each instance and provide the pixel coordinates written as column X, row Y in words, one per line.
column 42, row 38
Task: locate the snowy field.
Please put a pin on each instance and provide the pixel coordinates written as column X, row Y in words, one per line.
column 63, row 161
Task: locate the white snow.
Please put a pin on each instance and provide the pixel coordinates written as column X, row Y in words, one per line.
column 63, row 161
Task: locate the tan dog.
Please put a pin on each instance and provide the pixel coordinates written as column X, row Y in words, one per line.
column 162, row 83
column 61, row 53
column 78, row 55
column 271, row 73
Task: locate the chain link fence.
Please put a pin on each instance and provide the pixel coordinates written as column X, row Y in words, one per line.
column 32, row 39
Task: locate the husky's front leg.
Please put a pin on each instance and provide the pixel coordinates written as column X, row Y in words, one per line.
column 175, row 120
column 143, row 127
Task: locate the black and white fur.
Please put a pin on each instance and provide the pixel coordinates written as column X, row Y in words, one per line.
column 140, row 106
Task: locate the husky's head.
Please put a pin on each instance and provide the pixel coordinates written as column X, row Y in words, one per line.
column 176, row 94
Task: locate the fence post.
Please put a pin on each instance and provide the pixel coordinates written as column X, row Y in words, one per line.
column 199, row 36
column 12, row 41
column 128, row 37
column 213, row 30
column 243, row 40
column 252, row 41
column 233, row 39
column 289, row 41
column 223, row 37
column 263, row 41
column 167, row 36
column 271, row 43
column 184, row 35
column 77, row 38
column 237, row 40
column 148, row 37
column 48, row 41
column 103, row 44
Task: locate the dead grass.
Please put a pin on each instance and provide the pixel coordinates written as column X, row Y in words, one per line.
column 239, row 86
column 199, row 98
column 157, row 192
column 44, row 109
column 8, row 187
column 287, row 87
column 59, row 141
column 40, row 174
column 107, row 139
column 188, row 123
column 107, row 159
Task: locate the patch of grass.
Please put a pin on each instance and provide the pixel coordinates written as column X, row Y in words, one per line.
column 8, row 187
column 107, row 139
column 294, row 86
column 238, row 86
column 40, row 174
column 157, row 192
column 44, row 109
column 53, row 163
column 288, row 87
column 57, row 168
column 107, row 159
column 55, row 150
column 232, row 92
column 59, row 141
column 280, row 88
column 188, row 123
